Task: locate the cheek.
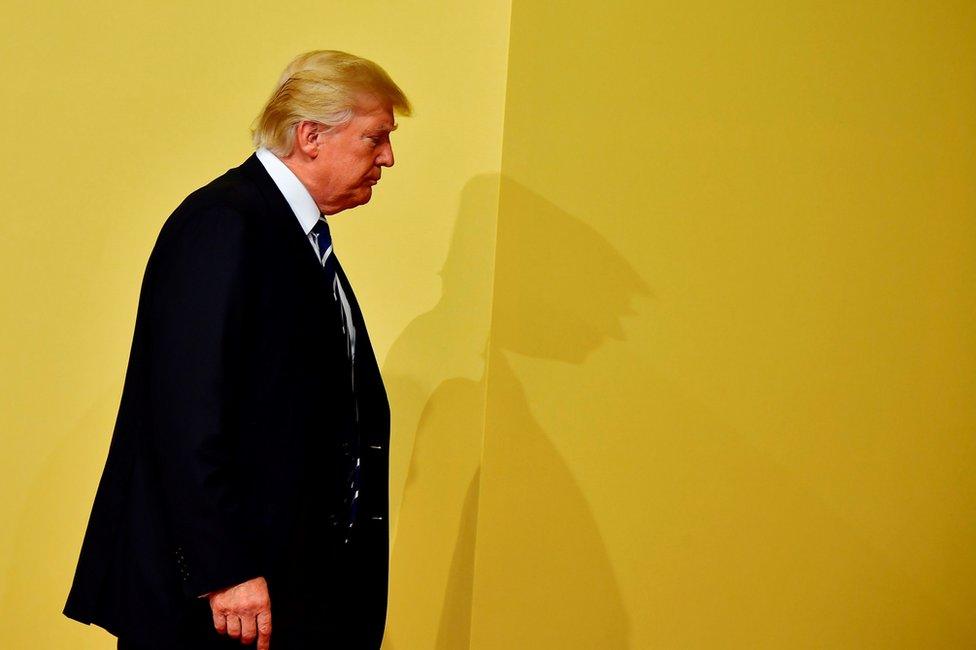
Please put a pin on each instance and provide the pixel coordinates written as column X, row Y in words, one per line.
column 359, row 166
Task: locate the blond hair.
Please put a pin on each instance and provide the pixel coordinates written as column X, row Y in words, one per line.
column 321, row 86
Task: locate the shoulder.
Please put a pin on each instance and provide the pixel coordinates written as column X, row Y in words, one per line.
column 217, row 215
column 233, row 190
column 230, row 196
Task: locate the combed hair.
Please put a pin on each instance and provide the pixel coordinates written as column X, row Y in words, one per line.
column 321, row 86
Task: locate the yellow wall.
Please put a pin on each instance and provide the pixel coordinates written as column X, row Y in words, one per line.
column 728, row 324
column 111, row 113
column 732, row 365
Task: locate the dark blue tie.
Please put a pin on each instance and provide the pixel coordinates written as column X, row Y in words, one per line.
column 323, row 238
column 350, row 446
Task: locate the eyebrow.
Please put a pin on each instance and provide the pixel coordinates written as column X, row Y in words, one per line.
column 387, row 128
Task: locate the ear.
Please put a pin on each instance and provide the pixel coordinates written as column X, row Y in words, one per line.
column 308, row 137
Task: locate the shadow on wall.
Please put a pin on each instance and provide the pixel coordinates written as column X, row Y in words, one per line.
column 435, row 377
column 559, row 291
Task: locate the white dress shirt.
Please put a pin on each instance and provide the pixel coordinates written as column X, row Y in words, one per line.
column 307, row 213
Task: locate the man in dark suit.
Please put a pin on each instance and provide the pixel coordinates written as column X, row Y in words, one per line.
column 247, row 471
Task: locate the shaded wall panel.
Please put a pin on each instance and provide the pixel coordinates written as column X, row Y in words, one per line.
column 732, row 357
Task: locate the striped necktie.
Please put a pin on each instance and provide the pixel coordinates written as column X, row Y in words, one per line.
column 350, row 447
column 323, row 240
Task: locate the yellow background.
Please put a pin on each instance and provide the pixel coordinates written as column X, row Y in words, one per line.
column 112, row 113
column 676, row 305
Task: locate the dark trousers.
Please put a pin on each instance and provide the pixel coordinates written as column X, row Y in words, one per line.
column 226, row 643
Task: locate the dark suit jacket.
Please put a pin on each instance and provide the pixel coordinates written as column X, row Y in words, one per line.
column 224, row 462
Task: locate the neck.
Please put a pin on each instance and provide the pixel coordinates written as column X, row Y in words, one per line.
column 300, row 165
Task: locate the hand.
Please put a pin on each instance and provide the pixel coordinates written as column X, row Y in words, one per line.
column 243, row 612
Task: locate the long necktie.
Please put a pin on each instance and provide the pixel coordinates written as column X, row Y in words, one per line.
column 350, row 448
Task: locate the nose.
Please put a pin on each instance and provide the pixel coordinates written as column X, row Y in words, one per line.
column 385, row 156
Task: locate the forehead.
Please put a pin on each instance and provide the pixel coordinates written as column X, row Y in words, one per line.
column 373, row 113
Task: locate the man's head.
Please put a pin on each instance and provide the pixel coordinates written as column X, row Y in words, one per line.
column 329, row 119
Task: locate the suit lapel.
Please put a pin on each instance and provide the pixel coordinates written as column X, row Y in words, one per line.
column 285, row 221
column 291, row 231
column 366, row 366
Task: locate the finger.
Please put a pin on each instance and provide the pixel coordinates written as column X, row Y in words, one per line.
column 248, row 630
column 234, row 626
column 220, row 622
column 264, row 630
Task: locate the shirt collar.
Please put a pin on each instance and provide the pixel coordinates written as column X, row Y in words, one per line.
column 295, row 193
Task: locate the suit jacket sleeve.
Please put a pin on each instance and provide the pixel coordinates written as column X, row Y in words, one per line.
column 194, row 331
